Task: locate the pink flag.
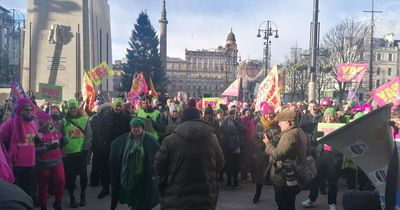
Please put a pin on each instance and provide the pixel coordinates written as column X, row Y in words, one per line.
column 387, row 93
column 233, row 89
column 269, row 90
column 347, row 72
column 138, row 86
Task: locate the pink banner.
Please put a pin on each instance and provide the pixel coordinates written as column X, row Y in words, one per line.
column 138, row 86
column 347, row 72
column 387, row 93
column 233, row 89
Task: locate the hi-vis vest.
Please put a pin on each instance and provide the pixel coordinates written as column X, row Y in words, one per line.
column 74, row 135
column 154, row 116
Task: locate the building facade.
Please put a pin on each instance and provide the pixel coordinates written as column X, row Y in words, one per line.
column 63, row 39
column 203, row 73
column 12, row 24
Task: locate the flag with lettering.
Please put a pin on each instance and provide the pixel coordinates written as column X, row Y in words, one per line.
column 139, row 86
column 152, row 90
column 269, row 90
column 99, row 73
column 88, row 92
column 348, row 72
column 233, row 89
column 387, row 93
column 17, row 92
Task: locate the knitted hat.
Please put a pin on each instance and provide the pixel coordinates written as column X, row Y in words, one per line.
column 358, row 115
column 137, row 122
column 326, row 102
column 42, row 116
column 72, row 103
column 265, row 108
column 117, row 102
column 330, row 111
column 367, row 106
column 21, row 104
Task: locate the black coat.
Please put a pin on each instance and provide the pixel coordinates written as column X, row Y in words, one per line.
column 112, row 126
column 151, row 147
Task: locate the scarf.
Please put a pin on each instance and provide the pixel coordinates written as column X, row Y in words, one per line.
column 132, row 160
column 265, row 122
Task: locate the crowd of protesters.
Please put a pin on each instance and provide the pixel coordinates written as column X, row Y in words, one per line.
column 148, row 152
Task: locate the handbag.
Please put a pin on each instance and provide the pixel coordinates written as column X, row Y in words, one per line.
column 306, row 172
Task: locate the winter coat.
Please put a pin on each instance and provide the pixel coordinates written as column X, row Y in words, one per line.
column 188, row 162
column 151, row 147
column 293, row 146
column 112, row 126
column 309, row 124
column 232, row 136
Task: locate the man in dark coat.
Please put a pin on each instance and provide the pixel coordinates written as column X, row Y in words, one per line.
column 112, row 125
column 188, row 162
column 141, row 193
column 95, row 122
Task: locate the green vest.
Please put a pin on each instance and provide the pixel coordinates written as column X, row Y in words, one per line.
column 154, row 116
column 74, row 136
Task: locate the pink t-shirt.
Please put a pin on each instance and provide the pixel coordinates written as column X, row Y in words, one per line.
column 26, row 146
column 48, row 138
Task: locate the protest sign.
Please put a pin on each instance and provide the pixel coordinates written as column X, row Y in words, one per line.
column 49, row 92
column 100, row 73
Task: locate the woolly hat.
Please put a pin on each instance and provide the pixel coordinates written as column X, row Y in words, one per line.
column 367, row 106
column 189, row 114
column 137, row 122
column 265, row 108
column 330, row 111
column 117, row 102
column 326, row 102
column 21, row 104
column 358, row 115
column 72, row 103
column 42, row 116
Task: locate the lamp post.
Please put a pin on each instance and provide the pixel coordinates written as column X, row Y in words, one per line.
column 266, row 27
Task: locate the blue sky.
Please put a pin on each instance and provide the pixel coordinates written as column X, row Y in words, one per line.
column 205, row 24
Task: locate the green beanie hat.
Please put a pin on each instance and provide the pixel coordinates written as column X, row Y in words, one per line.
column 358, row 115
column 137, row 121
column 331, row 111
column 117, row 102
column 72, row 103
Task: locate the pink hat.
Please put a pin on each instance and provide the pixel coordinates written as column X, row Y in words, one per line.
column 357, row 108
column 42, row 116
column 326, row 102
column 266, row 108
column 21, row 103
column 367, row 106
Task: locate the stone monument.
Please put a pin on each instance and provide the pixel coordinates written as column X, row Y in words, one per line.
column 63, row 38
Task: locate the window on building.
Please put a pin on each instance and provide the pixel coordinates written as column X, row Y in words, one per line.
column 389, row 71
column 378, row 83
column 378, row 71
column 390, row 57
column 378, row 56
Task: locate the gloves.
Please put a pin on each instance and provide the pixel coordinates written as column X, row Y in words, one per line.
column 52, row 146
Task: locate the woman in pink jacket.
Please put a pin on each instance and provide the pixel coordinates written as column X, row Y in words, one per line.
column 49, row 161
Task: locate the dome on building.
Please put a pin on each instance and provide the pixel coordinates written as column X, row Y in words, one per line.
column 231, row 37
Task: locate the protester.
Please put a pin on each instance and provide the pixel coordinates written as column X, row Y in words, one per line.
column 290, row 150
column 173, row 116
column 78, row 133
column 49, row 165
column 133, row 179
column 112, row 125
column 188, row 162
column 247, row 164
column 327, row 166
column 265, row 124
column 19, row 134
column 95, row 123
column 150, row 113
column 233, row 130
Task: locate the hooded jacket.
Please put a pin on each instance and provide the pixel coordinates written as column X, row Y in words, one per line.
column 189, row 160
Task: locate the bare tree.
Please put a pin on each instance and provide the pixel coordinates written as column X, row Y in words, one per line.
column 345, row 43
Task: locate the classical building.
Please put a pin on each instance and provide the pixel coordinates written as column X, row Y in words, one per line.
column 203, row 73
column 11, row 32
column 63, row 39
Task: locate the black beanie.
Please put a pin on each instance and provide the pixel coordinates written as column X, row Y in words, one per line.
column 190, row 114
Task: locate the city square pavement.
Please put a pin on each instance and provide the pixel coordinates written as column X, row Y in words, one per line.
column 229, row 199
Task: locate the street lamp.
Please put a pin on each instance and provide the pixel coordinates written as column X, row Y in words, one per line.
column 265, row 27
